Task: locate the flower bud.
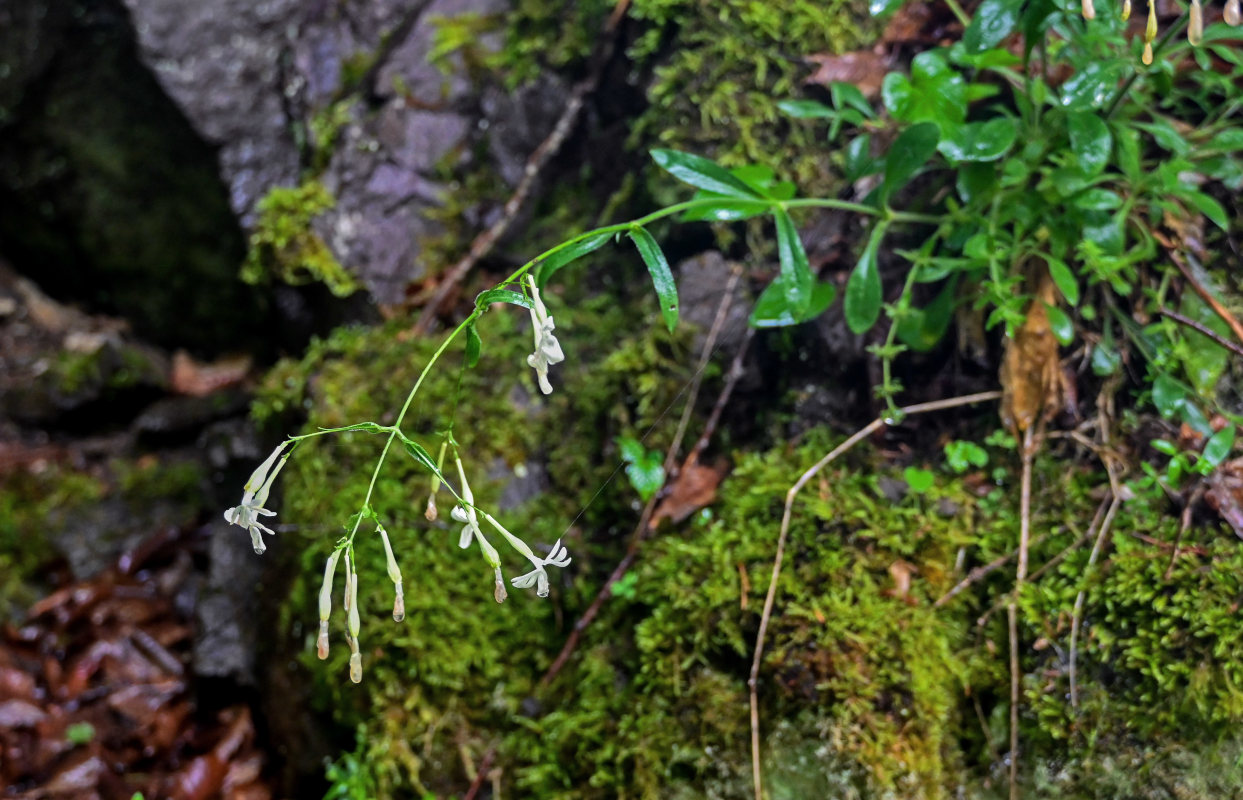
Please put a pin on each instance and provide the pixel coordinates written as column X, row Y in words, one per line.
column 1147, row 56
column 431, row 513
column 321, row 644
column 1089, row 10
column 356, row 667
column 394, row 573
column 1232, row 15
column 1150, row 30
column 399, row 605
column 1195, row 24
column 325, row 591
column 1126, row 10
column 499, row 592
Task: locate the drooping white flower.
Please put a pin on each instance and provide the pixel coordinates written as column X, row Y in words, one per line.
column 538, row 577
column 547, row 348
column 325, row 603
column 255, row 495
column 467, row 515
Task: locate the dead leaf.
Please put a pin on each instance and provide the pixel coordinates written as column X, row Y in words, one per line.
column 865, row 69
column 1031, row 377
column 901, row 572
column 198, row 379
column 693, row 489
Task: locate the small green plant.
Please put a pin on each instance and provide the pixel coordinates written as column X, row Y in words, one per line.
column 643, row 467
column 284, row 244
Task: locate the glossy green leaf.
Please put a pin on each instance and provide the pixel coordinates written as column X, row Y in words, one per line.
column 1219, row 445
column 662, row 276
column 859, row 161
column 795, row 270
column 1105, row 360
column 1090, row 87
column 701, row 173
column 923, row 329
column 726, row 209
column 643, row 467
column 474, row 345
column 1097, row 200
column 935, row 92
column 806, row 109
column 993, row 21
column 502, row 296
column 1061, row 326
column 1064, row 279
column 772, row 307
column 910, row 151
column 559, row 259
column 863, row 289
column 1090, row 140
column 1168, row 395
column 980, row 141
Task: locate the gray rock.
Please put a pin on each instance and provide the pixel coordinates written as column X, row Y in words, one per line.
column 253, row 79
column 225, row 644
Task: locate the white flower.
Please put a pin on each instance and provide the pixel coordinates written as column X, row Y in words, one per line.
column 547, row 348
column 254, row 496
column 465, row 513
column 538, row 577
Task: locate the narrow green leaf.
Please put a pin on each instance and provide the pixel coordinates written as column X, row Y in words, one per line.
column 921, row 330
column 806, row 109
column 474, row 345
column 1168, row 395
column 419, row 454
column 1218, row 447
column 863, row 289
column 662, row 276
column 1061, row 326
column 702, row 173
column 569, row 255
column 1064, row 279
column 847, row 95
column 1210, row 208
column 795, row 270
column 502, row 296
column 727, row 209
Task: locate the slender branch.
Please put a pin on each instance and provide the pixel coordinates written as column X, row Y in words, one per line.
column 1076, row 617
column 980, row 573
column 787, row 513
column 1199, row 288
column 1012, row 612
column 1200, row 327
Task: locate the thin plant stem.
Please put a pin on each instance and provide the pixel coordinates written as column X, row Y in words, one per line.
column 1020, row 575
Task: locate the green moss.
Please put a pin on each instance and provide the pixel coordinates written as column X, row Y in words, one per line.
column 285, row 246
column 26, row 501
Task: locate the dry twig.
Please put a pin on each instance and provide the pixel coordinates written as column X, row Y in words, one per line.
column 1200, row 327
column 1012, row 612
column 1176, row 256
column 766, row 614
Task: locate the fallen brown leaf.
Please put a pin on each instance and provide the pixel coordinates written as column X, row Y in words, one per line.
column 863, row 68
column 198, row 379
column 694, row 488
column 1031, row 377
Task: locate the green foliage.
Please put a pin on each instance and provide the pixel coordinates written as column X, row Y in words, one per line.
column 643, row 467
column 284, row 245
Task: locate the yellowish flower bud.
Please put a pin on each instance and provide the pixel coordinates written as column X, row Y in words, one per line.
column 321, row 644
column 431, row 513
column 1126, row 10
column 356, row 667
column 1147, row 56
column 1150, row 31
column 1232, row 15
column 1089, row 10
column 1195, row 24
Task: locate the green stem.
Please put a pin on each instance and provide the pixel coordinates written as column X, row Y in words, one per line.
column 668, row 211
column 958, row 12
